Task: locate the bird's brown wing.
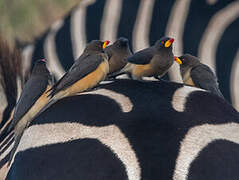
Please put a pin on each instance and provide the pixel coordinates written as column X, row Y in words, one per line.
column 142, row 57
column 79, row 70
column 204, row 78
column 32, row 90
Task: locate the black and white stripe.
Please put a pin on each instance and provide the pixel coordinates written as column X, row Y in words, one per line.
column 132, row 130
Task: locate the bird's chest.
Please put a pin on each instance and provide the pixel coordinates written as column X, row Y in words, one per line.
column 161, row 64
column 187, row 78
column 116, row 63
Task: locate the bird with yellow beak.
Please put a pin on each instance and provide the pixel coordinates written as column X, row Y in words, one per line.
column 150, row 62
column 196, row 74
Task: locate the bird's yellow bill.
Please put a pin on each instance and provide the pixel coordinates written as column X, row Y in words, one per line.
column 169, row 42
column 105, row 44
column 177, row 60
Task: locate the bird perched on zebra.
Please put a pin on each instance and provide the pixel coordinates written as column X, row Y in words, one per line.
column 117, row 53
column 197, row 74
column 150, row 62
column 88, row 70
column 32, row 99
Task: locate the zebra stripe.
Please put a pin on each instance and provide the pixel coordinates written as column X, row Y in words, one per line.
column 50, row 51
column 142, row 24
column 191, row 145
column 212, row 34
column 175, row 28
column 110, row 20
column 78, row 30
column 234, row 81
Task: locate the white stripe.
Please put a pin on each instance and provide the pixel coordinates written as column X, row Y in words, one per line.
column 3, row 98
column 50, row 51
column 3, row 141
column 124, row 102
column 110, row 20
column 234, row 81
column 175, row 29
column 78, row 34
column 111, row 136
column 214, row 31
column 3, row 171
column 6, row 152
column 179, row 99
column 142, row 25
column 27, row 59
column 198, row 138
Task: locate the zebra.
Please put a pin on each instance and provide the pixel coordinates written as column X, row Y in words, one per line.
column 127, row 129
column 206, row 29
column 133, row 130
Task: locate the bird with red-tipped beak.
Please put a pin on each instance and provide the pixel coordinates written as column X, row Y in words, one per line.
column 154, row 61
column 87, row 71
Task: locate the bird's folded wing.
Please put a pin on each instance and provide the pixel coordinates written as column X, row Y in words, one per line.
column 141, row 57
column 32, row 90
column 83, row 68
column 204, row 78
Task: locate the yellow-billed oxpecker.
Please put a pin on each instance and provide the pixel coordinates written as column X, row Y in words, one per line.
column 197, row 74
column 87, row 71
column 150, row 62
column 32, row 99
column 118, row 52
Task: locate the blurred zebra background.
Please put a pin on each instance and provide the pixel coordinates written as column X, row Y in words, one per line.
column 208, row 29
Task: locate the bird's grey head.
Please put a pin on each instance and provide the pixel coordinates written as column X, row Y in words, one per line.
column 40, row 68
column 121, row 43
column 188, row 60
column 96, row 45
column 164, row 43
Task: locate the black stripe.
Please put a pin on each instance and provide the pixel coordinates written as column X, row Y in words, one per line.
column 93, row 20
column 226, row 52
column 39, row 49
column 127, row 19
column 161, row 13
column 63, row 43
column 83, row 159
column 200, row 13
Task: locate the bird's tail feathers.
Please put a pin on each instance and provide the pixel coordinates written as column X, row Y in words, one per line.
column 16, row 143
column 51, row 102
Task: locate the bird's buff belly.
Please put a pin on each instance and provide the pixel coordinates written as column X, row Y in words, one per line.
column 90, row 80
column 33, row 111
column 144, row 70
